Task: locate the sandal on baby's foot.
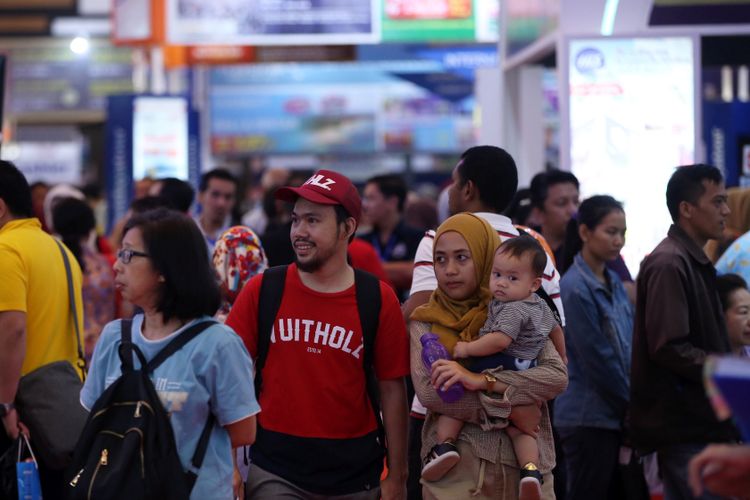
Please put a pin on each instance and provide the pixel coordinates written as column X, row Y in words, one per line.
column 442, row 458
column 530, row 487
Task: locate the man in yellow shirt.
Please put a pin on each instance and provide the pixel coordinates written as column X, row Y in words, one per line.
column 36, row 325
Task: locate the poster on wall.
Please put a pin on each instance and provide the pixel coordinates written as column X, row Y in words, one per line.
column 279, row 22
column 632, row 116
column 160, row 137
column 148, row 136
column 319, row 108
column 440, row 20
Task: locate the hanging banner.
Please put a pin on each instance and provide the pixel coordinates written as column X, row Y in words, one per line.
column 282, row 22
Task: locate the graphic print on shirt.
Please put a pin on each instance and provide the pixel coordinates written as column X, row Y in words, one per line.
column 171, row 395
column 316, row 335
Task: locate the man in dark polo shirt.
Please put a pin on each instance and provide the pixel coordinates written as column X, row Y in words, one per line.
column 396, row 243
column 678, row 322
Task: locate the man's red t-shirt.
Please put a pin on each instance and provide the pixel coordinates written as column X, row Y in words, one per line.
column 314, row 378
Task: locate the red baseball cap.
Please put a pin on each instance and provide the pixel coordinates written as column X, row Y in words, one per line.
column 326, row 187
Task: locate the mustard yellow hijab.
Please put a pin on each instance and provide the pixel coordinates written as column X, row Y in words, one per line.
column 454, row 320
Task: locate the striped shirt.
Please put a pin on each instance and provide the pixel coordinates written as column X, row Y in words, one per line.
column 528, row 322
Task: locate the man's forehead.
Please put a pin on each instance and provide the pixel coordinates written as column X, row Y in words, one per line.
column 216, row 184
column 713, row 189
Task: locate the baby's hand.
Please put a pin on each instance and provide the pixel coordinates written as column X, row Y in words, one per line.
column 461, row 350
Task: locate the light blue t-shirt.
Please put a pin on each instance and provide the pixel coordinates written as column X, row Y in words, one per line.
column 213, row 368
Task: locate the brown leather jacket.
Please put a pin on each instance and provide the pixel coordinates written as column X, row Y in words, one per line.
column 678, row 321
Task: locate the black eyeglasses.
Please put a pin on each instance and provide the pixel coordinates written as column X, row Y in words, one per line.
column 126, row 254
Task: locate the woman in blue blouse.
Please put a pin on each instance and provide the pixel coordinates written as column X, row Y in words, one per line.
column 589, row 415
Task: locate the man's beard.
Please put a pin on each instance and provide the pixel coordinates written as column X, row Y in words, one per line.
column 309, row 266
column 314, row 264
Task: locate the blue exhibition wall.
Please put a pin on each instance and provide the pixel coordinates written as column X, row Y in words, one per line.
column 423, row 104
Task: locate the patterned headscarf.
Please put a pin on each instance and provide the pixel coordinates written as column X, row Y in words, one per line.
column 454, row 320
column 238, row 256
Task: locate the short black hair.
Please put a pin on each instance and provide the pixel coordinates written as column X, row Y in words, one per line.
column 726, row 284
column 177, row 194
column 217, row 173
column 525, row 245
column 493, row 172
column 342, row 214
column 686, row 184
column 73, row 220
column 177, row 251
column 391, row 185
column 15, row 190
column 590, row 214
column 542, row 181
column 146, row 203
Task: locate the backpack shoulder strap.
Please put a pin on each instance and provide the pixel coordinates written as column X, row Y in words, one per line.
column 178, row 343
column 269, row 301
column 126, row 339
column 191, row 475
column 367, row 288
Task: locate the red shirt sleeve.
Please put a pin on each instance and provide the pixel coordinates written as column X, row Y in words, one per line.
column 243, row 317
column 364, row 257
column 391, row 342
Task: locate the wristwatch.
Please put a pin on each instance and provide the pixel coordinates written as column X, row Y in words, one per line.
column 6, row 408
column 490, row 379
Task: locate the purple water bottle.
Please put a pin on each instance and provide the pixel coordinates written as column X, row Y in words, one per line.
column 432, row 350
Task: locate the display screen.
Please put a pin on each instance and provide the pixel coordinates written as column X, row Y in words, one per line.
column 440, row 20
column 632, row 121
column 160, row 137
column 367, row 107
column 264, row 22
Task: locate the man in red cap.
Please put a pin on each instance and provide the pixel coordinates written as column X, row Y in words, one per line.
column 317, row 433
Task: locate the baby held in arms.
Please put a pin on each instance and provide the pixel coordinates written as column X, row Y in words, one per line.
column 517, row 327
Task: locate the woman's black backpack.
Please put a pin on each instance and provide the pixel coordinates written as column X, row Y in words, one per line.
column 127, row 448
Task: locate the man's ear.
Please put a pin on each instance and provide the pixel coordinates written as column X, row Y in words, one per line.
column 350, row 226
column 469, row 191
column 686, row 210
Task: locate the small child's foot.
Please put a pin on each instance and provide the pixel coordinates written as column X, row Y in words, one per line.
column 530, row 487
column 442, row 458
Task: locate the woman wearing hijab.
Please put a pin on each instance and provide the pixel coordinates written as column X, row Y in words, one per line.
column 463, row 254
column 238, row 256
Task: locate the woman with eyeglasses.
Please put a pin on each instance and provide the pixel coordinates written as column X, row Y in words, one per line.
column 163, row 268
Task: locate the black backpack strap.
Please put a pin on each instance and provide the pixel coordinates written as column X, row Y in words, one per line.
column 126, row 339
column 191, row 475
column 367, row 288
column 178, row 343
column 269, row 301
column 200, row 451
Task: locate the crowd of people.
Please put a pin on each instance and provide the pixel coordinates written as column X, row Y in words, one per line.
column 560, row 375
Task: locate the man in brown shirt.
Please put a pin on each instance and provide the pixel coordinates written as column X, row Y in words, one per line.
column 679, row 321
